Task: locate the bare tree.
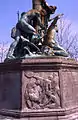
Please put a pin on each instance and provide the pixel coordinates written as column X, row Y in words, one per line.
column 67, row 39
column 3, row 50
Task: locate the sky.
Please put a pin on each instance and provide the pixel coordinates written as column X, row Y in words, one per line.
column 9, row 8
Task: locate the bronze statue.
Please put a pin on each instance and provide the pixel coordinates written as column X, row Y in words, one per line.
column 33, row 37
column 50, row 44
column 25, row 23
column 25, row 28
column 49, row 10
column 45, row 11
column 15, row 34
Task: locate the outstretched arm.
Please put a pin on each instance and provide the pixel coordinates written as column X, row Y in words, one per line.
column 55, row 19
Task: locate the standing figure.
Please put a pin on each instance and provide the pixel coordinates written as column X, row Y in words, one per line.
column 45, row 11
column 42, row 5
column 49, row 10
column 25, row 25
column 25, row 28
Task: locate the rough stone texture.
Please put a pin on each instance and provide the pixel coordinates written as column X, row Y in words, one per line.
column 41, row 90
column 59, row 76
column 10, row 90
column 70, row 96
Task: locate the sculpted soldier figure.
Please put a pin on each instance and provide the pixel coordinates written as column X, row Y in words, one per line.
column 45, row 10
column 25, row 28
column 32, row 29
column 49, row 10
column 26, row 20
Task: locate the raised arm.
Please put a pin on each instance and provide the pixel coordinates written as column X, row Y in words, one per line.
column 55, row 19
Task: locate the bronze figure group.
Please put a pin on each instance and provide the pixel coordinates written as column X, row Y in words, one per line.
column 33, row 36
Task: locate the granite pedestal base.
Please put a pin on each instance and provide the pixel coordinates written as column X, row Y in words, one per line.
column 39, row 89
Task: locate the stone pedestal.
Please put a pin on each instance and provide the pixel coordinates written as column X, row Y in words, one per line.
column 39, row 89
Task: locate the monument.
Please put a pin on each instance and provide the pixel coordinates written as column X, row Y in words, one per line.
column 37, row 79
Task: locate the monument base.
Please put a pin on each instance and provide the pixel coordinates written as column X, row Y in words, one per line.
column 39, row 88
column 54, row 114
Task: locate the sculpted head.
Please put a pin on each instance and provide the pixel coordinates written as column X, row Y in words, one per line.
column 52, row 9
